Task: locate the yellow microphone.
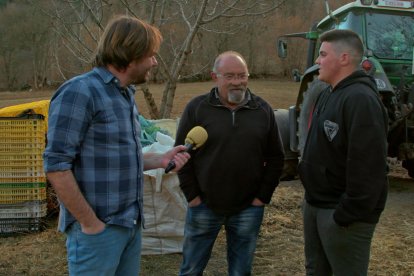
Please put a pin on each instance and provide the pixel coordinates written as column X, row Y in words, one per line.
column 196, row 137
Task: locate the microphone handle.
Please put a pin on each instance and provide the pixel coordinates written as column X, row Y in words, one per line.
column 171, row 165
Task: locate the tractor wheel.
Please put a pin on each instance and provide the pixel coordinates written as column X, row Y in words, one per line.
column 291, row 158
column 309, row 98
column 409, row 166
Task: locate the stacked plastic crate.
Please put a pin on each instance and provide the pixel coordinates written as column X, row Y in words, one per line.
column 23, row 196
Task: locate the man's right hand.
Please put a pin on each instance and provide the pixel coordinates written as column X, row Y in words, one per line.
column 94, row 228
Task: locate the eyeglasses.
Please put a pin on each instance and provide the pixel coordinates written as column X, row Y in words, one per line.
column 230, row 77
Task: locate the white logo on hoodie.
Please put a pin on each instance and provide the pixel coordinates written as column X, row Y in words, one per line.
column 331, row 129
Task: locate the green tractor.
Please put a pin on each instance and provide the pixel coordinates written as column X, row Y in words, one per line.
column 387, row 30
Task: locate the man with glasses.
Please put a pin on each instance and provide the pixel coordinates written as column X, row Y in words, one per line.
column 232, row 176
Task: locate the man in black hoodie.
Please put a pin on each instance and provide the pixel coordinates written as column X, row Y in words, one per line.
column 343, row 167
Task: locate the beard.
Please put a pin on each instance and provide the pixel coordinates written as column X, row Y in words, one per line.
column 140, row 78
column 236, row 96
column 139, row 81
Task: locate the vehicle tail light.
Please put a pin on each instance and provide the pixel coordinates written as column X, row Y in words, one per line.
column 368, row 66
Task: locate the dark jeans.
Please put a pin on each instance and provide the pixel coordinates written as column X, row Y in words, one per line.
column 201, row 230
column 332, row 249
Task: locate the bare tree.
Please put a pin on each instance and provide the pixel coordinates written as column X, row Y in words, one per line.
column 39, row 44
column 9, row 46
column 79, row 25
column 24, row 46
column 195, row 17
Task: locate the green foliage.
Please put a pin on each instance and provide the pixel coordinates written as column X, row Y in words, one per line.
column 149, row 131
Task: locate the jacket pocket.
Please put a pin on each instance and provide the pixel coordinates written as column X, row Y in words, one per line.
column 316, row 184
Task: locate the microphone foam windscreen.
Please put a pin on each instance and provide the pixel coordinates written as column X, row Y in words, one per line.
column 197, row 136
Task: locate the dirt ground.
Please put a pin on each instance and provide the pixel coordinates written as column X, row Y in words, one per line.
column 280, row 246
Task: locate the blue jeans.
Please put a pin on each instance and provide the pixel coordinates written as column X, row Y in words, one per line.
column 334, row 250
column 114, row 251
column 201, row 230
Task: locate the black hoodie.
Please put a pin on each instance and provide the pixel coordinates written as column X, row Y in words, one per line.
column 344, row 161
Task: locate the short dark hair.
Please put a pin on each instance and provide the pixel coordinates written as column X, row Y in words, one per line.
column 345, row 40
column 126, row 39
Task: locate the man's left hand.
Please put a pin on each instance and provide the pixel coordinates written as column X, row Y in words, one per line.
column 257, row 202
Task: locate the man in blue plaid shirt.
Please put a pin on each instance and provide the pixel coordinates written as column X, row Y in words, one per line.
column 93, row 157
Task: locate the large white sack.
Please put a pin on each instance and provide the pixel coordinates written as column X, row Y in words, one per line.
column 164, row 206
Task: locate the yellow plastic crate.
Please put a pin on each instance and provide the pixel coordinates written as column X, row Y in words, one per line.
column 26, row 135
column 22, row 148
column 14, row 195
column 22, row 136
column 21, row 131
column 38, row 107
column 31, row 164
column 20, row 172
column 28, row 179
column 10, row 157
column 22, row 185
column 23, row 125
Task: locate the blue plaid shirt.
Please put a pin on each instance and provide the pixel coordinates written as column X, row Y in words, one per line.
column 94, row 131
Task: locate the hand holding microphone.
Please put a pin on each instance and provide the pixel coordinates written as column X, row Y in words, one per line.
column 196, row 137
